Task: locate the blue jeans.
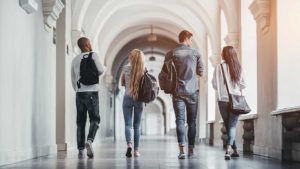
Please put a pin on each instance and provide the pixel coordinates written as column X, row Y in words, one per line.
column 130, row 106
column 230, row 121
column 87, row 102
column 190, row 103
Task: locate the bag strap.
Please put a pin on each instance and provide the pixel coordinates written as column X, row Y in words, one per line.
column 226, row 81
column 89, row 55
column 222, row 68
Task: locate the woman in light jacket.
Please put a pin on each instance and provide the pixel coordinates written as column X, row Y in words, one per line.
column 130, row 78
column 233, row 72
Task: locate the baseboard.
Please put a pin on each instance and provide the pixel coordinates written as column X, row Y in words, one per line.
column 62, row 147
column 267, row 152
column 14, row 156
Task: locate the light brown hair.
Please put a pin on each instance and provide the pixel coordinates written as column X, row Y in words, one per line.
column 229, row 55
column 184, row 35
column 137, row 71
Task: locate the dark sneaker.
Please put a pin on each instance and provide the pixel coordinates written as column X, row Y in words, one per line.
column 128, row 153
column 191, row 155
column 80, row 154
column 89, row 149
column 235, row 155
column 181, row 156
column 227, row 156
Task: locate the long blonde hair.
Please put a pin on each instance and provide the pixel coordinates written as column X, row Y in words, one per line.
column 136, row 60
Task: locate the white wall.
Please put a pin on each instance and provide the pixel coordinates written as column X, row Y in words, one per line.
column 288, row 32
column 249, row 54
column 211, row 108
column 153, row 119
column 27, row 100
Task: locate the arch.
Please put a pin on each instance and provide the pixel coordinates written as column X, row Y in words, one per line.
column 111, row 7
column 230, row 11
column 161, row 100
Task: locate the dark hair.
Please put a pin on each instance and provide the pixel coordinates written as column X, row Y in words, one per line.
column 82, row 42
column 184, row 34
column 230, row 57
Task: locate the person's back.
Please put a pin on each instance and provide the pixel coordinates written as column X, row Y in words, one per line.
column 132, row 107
column 87, row 99
column 188, row 66
column 228, row 72
column 76, row 72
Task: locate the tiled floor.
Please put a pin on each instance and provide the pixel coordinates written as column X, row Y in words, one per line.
column 156, row 153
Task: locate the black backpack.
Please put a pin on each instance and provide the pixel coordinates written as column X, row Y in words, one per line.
column 168, row 77
column 148, row 88
column 89, row 74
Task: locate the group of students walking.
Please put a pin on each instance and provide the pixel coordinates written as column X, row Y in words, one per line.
column 189, row 66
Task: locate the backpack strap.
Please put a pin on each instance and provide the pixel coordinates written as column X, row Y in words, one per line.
column 90, row 55
column 173, row 55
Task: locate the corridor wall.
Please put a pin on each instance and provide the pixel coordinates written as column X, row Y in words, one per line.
column 27, row 88
column 288, row 26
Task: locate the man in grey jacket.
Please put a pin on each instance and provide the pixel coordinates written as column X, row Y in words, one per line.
column 189, row 66
column 87, row 99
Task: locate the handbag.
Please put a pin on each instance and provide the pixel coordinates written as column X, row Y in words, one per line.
column 237, row 104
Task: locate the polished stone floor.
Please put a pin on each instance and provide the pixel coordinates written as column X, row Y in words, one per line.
column 157, row 153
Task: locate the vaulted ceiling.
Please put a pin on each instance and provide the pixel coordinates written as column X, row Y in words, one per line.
column 115, row 27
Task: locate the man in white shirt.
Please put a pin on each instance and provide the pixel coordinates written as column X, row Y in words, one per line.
column 86, row 85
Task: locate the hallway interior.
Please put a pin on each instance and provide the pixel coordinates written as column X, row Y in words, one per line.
column 38, row 41
column 157, row 153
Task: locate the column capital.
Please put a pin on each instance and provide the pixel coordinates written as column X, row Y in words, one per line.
column 260, row 10
column 233, row 39
column 215, row 59
column 110, row 82
column 51, row 10
column 30, row 6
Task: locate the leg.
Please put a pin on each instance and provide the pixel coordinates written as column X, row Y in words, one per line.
column 232, row 129
column 223, row 107
column 127, row 112
column 138, row 110
column 93, row 109
column 192, row 108
column 80, row 121
column 179, row 108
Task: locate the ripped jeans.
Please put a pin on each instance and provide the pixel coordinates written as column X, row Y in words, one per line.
column 135, row 108
column 87, row 102
column 190, row 103
column 230, row 121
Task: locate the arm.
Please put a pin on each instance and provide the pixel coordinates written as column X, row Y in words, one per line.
column 73, row 77
column 98, row 64
column 242, row 83
column 200, row 66
column 214, row 80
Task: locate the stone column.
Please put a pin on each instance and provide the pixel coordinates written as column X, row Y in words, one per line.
column 202, row 103
column 267, row 129
column 62, row 54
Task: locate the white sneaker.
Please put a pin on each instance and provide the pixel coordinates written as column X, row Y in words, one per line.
column 181, row 156
column 137, row 154
column 89, row 149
